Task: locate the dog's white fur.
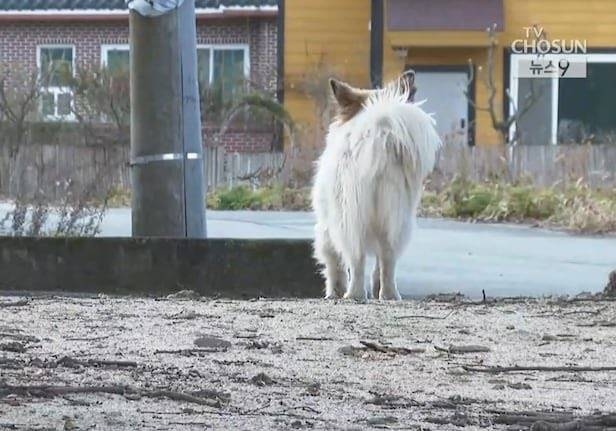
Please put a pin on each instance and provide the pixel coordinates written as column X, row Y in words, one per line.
column 367, row 189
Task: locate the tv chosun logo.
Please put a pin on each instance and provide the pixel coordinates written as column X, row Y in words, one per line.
column 549, row 58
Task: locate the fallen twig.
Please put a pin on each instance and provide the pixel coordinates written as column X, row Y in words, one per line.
column 186, row 352
column 55, row 391
column 21, row 337
column 463, row 349
column 554, row 421
column 314, row 339
column 102, row 337
column 389, row 349
column 592, row 299
column 497, row 369
column 593, row 312
column 602, row 323
column 421, row 316
column 72, row 362
column 20, row 303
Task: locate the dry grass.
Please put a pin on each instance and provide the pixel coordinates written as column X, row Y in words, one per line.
column 275, row 198
column 577, row 207
column 77, row 214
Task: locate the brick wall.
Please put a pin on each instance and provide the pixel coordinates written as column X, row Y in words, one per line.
column 242, row 141
column 19, row 41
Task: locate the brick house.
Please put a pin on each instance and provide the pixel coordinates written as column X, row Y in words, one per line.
column 235, row 38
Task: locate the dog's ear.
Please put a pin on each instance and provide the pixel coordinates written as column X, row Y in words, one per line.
column 343, row 92
column 407, row 82
column 349, row 99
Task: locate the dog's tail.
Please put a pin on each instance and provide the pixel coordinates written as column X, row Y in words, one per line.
column 400, row 129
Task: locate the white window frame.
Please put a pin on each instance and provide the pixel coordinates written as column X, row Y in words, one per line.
column 112, row 47
column 513, row 85
column 56, row 90
column 221, row 47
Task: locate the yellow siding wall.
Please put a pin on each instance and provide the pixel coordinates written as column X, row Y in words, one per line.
column 331, row 35
column 336, row 33
column 590, row 20
column 593, row 20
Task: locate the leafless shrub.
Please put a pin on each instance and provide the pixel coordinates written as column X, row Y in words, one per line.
column 78, row 214
column 20, row 94
column 102, row 96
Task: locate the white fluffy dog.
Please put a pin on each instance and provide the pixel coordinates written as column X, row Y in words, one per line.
column 368, row 185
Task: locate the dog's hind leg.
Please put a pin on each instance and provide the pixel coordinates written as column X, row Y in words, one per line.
column 356, row 289
column 376, row 280
column 387, row 259
column 335, row 276
column 334, row 272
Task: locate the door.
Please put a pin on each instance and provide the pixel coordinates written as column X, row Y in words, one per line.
column 446, row 100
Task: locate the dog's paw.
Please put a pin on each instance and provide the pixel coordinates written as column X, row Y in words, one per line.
column 357, row 296
column 390, row 295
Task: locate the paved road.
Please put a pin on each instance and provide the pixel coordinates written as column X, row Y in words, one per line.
column 448, row 256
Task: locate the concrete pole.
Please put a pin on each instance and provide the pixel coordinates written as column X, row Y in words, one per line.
column 168, row 188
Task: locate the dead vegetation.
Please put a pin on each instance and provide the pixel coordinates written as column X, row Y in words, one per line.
column 77, row 214
column 576, row 208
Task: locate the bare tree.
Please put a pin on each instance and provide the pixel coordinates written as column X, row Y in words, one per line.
column 500, row 122
column 102, row 96
column 20, row 95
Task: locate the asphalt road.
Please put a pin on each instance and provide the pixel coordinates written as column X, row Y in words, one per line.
column 447, row 256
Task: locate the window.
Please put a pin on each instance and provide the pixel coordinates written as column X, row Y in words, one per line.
column 569, row 110
column 116, row 58
column 56, row 67
column 222, row 72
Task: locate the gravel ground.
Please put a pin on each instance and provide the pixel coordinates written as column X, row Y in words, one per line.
column 70, row 363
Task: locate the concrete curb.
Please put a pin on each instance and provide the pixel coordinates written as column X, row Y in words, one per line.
column 158, row 266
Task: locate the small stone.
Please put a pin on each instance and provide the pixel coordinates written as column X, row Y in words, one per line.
column 258, row 344
column 212, row 343
column 184, row 295
column 69, row 424
column 13, row 346
column 349, row 350
column 313, row 389
column 468, row 349
column 520, row 386
column 184, row 315
column 262, row 379
column 610, row 288
column 132, row 396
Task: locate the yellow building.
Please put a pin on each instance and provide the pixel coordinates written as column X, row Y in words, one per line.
column 367, row 42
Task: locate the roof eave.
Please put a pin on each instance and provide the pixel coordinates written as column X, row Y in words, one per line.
column 122, row 15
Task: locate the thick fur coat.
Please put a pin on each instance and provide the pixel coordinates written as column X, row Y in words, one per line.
column 368, row 186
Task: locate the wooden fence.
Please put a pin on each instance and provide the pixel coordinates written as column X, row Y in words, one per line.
column 43, row 169
column 545, row 165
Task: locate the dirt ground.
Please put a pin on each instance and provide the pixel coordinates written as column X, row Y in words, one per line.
column 103, row 363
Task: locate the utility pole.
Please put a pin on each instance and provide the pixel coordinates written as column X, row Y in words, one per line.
column 167, row 169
